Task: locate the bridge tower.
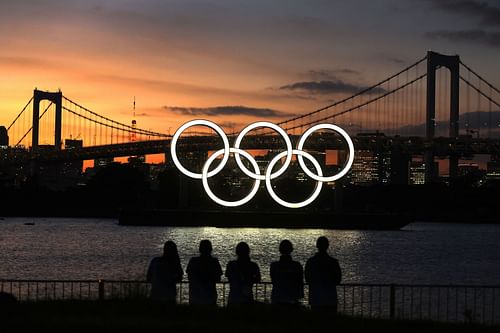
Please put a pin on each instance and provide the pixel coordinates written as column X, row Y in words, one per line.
column 56, row 98
column 434, row 61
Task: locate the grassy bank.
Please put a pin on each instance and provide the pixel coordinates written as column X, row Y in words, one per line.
column 140, row 316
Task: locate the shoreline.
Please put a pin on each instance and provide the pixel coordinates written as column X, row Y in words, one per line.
column 441, row 219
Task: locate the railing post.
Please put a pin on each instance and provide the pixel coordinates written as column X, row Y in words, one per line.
column 101, row 290
column 392, row 301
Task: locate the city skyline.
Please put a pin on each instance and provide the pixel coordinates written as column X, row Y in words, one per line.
column 234, row 61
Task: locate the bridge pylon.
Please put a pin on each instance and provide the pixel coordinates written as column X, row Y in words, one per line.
column 56, row 98
column 434, row 61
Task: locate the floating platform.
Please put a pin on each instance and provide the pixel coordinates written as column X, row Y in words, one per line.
column 264, row 219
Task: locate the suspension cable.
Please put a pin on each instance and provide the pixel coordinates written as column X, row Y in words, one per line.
column 363, row 104
column 103, row 124
column 31, row 128
column 136, row 130
column 480, row 77
column 479, row 91
column 353, row 96
column 20, row 113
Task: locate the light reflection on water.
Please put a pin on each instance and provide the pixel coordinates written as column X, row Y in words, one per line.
column 101, row 249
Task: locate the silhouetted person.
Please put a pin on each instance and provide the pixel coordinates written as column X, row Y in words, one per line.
column 286, row 277
column 242, row 273
column 7, row 299
column 164, row 273
column 203, row 273
column 323, row 275
column 8, row 307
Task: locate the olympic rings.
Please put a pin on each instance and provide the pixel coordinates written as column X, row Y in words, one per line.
column 206, row 123
column 273, row 194
column 256, row 175
column 277, row 129
column 350, row 159
column 204, row 178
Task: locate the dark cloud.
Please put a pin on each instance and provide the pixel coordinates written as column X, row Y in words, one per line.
column 138, row 114
column 469, row 36
column 327, row 87
column 231, row 125
column 228, row 111
column 330, row 74
column 487, row 13
column 396, row 60
column 345, row 71
column 482, row 120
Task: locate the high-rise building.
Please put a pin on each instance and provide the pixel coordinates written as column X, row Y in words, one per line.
column 467, row 168
column 4, row 137
column 399, row 168
column 369, row 168
column 384, row 167
column 71, row 172
column 493, row 170
column 375, row 165
column 100, row 163
column 417, row 173
column 365, row 168
column 137, row 160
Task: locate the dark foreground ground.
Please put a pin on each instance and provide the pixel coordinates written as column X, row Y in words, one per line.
column 140, row 316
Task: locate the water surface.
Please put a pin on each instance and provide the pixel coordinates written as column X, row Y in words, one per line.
column 69, row 248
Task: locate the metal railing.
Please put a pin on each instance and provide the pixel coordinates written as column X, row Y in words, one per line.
column 448, row 303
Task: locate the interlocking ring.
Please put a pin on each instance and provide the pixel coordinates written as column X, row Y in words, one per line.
column 200, row 122
column 283, row 135
column 273, row 194
column 256, row 175
column 204, row 178
column 350, row 159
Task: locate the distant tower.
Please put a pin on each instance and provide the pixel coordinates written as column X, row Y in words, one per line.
column 139, row 159
column 133, row 136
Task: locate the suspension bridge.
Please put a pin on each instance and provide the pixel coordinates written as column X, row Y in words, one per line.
column 437, row 106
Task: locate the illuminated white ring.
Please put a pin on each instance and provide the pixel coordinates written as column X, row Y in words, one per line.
column 347, row 166
column 281, row 132
column 205, row 176
column 273, row 194
column 199, row 122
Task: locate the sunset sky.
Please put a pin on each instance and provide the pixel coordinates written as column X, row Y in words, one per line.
column 187, row 58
